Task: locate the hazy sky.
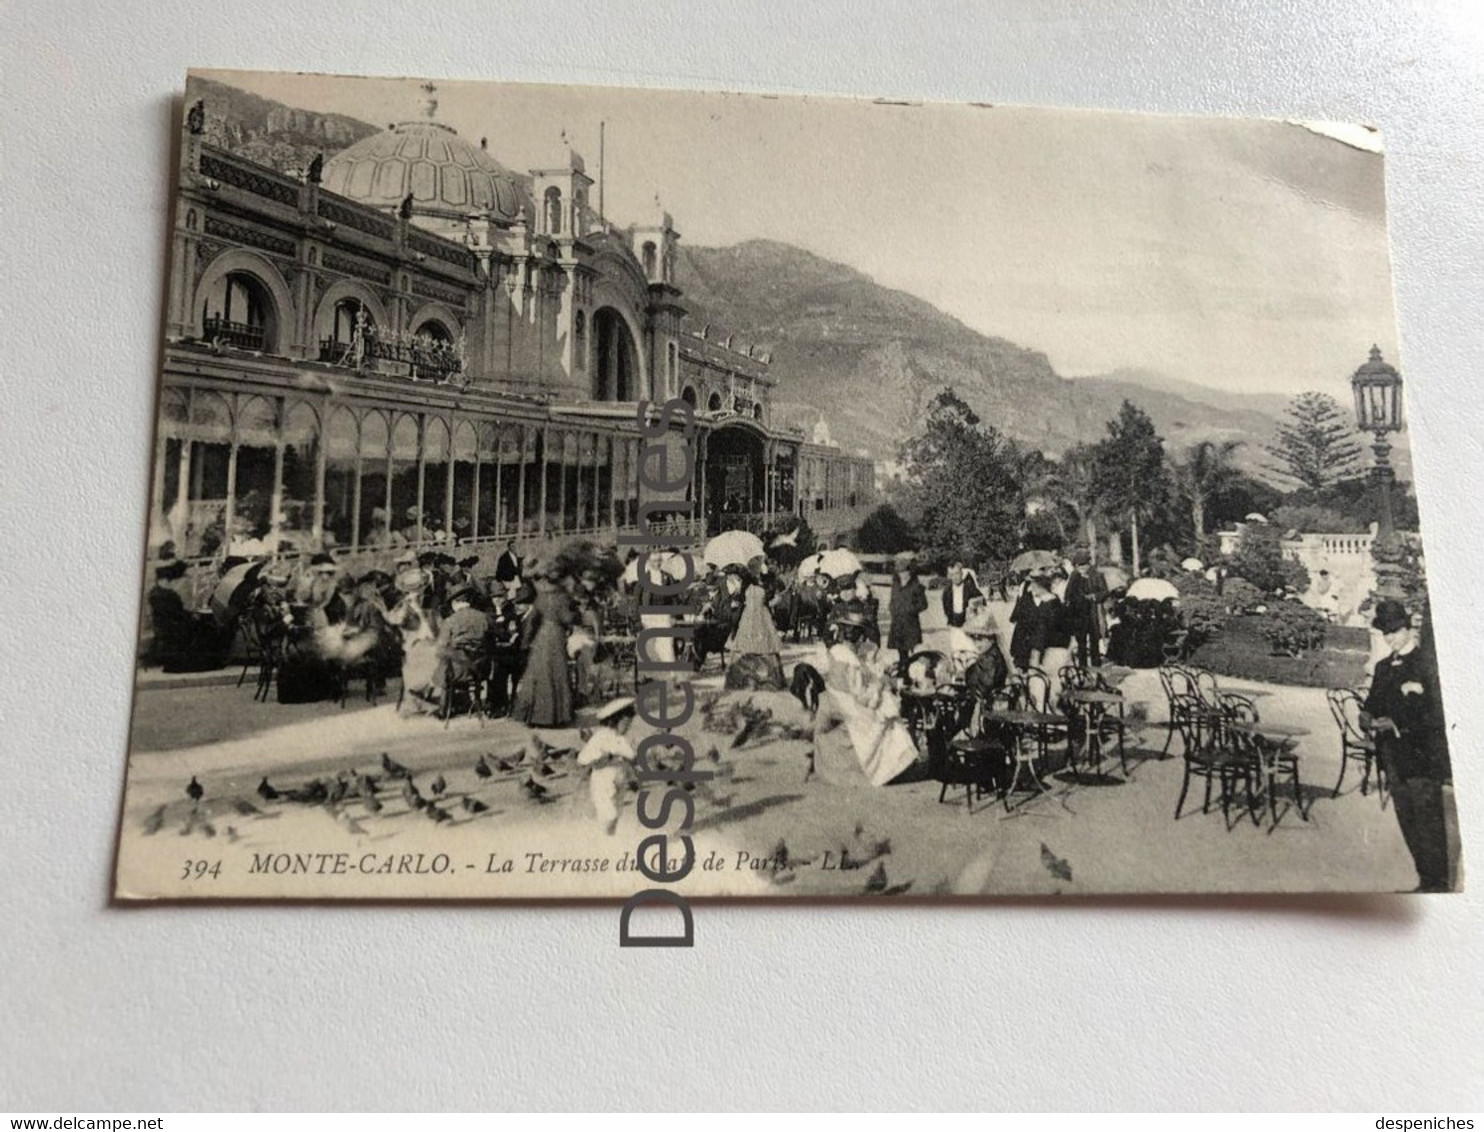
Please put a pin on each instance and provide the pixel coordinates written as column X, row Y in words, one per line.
column 1242, row 254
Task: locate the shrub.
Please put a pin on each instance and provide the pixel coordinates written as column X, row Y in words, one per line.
column 1259, row 558
column 1292, row 629
column 1243, row 652
column 1143, row 627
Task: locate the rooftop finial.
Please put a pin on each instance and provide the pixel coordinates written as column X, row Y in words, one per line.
column 430, row 104
column 1375, row 353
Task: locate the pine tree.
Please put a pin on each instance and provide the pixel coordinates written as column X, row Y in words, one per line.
column 1316, row 447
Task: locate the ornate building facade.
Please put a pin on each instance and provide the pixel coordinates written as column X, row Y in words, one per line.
column 411, row 340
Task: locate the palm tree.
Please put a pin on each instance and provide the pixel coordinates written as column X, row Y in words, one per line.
column 1206, row 471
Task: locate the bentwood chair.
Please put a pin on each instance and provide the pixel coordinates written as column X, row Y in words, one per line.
column 467, row 689
column 1355, row 744
column 1220, row 764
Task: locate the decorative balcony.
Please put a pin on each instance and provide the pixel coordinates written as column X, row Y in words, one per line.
column 393, row 354
column 242, row 335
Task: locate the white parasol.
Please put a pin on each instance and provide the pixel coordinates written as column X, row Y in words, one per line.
column 839, row 563
column 1194, row 565
column 810, row 566
column 733, row 548
column 1152, row 589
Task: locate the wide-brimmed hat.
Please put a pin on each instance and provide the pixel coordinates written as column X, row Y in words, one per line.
column 1390, row 616
column 469, row 563
column 323, row 563
column 462, row 592
column 171, row 571
column 411, row 581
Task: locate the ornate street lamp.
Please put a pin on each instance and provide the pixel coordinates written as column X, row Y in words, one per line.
column 1378, row 410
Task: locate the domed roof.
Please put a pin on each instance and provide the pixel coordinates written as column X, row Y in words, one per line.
column 442, row 171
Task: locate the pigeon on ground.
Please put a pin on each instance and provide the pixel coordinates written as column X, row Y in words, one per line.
column 757, row 720
column 438, row 816
column 780, row 854
column 393, row 767
column 438, row 785
column 366, row 787
column 245, row 808
column 208, row 829
column 533, row 789
column 372, row 803
column 877, row 882
column 505, row 767
column 474, row 805
column 1056, row 866
column 415, row 800
column 155, row 822
column 482, row 768
column 543, row 770
column 337, row 790
column 266, row 792
column 194, row 790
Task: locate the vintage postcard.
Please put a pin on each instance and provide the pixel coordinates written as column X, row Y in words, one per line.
column 574, row 493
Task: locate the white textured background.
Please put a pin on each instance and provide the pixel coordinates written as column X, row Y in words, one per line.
column 1367, row 1003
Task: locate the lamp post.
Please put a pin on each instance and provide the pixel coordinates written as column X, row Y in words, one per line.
column 1377, row 386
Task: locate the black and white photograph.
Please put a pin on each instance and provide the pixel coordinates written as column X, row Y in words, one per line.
column 557, row 489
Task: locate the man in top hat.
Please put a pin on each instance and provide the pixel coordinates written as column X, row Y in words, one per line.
column 1084, row 593
column 508, row 567
column 1404, row 715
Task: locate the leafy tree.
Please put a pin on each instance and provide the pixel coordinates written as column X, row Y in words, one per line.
column 1077, row 489
column 1316, row 445
column 1312, row 518
column 1206, row 470
column 1130, row 470
column 960, row 478
column 1359, row 502
column 884, row 531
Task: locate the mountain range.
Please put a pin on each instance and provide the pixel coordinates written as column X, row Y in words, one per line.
column 869, row 360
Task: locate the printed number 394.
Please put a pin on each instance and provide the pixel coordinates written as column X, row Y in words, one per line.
column 195, row 870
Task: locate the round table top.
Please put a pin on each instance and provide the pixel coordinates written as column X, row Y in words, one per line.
column 1094, row 696
column 1271, row 730
column 1024, row 718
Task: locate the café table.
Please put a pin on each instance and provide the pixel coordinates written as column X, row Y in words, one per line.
column 1096, row 707
column 1021, row 724
column 1272, row 749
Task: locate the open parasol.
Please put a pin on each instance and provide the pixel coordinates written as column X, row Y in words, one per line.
column 810, row 566
column 1194, row 565
column 231, row 592
column 839, row 563
column 733, row 548
column 1152, row 589
column 1028, row 560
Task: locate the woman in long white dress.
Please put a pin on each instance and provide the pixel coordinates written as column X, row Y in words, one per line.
column 419, row 629
column 860, row 737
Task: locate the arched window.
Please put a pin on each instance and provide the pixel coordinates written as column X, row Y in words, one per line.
column 579, row 342
column 714, row 402
column 688, row 395
column 757, row 411
column 553, row 203
column 649, row 258
column 349, row 313
column 239, row 312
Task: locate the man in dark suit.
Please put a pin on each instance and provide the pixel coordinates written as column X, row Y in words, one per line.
column 1405, row 717
column 508, row 568
column 957, row 594
column 1085, row 592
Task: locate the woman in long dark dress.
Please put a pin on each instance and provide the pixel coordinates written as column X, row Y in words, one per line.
column 544, row 697
column 908, row 601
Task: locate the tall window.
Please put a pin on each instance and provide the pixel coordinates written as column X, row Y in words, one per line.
column 554, row 211
column 238, row 312
column 579, row 342
column 649, row 258
column 343, row 329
